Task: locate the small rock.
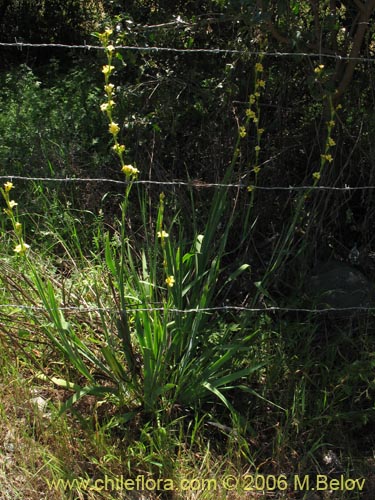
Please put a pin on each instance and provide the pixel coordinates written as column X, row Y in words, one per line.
column 339, row 285
column 40, row 403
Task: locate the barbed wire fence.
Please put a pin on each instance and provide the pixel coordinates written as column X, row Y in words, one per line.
column 248, row 52
column 191, row 184
column 195, row 309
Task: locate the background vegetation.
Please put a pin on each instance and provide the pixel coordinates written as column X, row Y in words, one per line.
column 160, row 392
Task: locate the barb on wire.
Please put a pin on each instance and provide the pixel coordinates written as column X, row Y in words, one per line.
column 193, row 183
column 85, row 46
column 194, row 310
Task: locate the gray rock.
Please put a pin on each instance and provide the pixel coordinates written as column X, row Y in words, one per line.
column 339, row 285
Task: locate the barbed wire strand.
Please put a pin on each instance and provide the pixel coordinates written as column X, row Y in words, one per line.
column 89, row 47
column 192, row 310
column 193, row 184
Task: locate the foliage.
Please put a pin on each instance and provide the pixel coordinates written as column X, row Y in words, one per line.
column 49, row 20
column 176, row 365
column 48, row 129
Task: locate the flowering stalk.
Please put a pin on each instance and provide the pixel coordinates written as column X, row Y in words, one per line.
column 107, row 106
column 326, row 157
column 162, row 235
column 253, row 115
column 22, row 247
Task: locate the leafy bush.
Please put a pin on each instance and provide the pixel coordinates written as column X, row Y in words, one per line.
column 48, row 128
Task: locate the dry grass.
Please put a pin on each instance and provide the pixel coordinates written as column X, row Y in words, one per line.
column 38, row 447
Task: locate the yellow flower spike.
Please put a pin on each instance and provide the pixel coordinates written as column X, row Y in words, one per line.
column 170, row 281
column 8, row 186
column 316, row 175
column 162, row 234
column 242, row 132
column 256, row 170
column 107, row 69
column 21, row 248
column 113, row 128
column 259, row 67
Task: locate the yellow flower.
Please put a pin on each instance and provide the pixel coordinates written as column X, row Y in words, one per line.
column 107, row 69
column 118, row 148
column 257, row 94
column 129, row 170
column 331, row 123
column 12, row 204
column 170, row 281
column 252, row 99
column 261, row 83
column 242, row 132
column 110, row 48
column 260, row 131
column 21, row 248
column 18, row 227
column 109, row 88
column 319, row 68
column 331, row 142
column 250, row 113
column 259, row 67
column 113, row 128
column 327, row 158
column 256, row 170
column 257, row 149
column 255, row 119
column 106, row 105
column 162, row 234
column 250, row 188
column 339, row 106
column 316, row 175
column 8, row 186
column 103, row 37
